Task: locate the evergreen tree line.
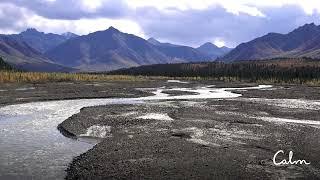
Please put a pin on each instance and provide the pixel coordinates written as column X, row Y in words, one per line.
column 4, row 65
column 240, row 70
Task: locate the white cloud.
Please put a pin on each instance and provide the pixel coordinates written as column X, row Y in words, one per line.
column 309, row 6
column 91, row 5
column 83, row 26
column 189, row 22
column 250, row 7
column 165, row 4
column 50, row 1
column 231, row 6
column 219, row 42
column 240, row 8
column 14, row 19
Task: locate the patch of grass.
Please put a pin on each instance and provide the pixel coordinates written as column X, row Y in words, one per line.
column 36, row 77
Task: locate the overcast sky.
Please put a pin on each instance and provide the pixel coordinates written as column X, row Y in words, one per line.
column 189, row 22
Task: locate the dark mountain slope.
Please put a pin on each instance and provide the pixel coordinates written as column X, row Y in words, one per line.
column 40, row 41
column 212, row 50
column 180, row 52
column 22, row 56
column 302, row 42
column 107, row 50
column 158, row 43
column 69, row 35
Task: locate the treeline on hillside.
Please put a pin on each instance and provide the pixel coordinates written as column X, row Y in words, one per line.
column 284, row 70
column 4, row 65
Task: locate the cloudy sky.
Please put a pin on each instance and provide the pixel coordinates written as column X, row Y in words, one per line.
column 189, row 22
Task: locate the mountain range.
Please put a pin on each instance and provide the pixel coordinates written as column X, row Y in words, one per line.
column 205, row 52
column 106, row 50
column 112, row 49
column 40, row 41
column 99, row 51
column 301, row 42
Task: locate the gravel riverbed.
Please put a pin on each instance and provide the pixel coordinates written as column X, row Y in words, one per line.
column 232, row 138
